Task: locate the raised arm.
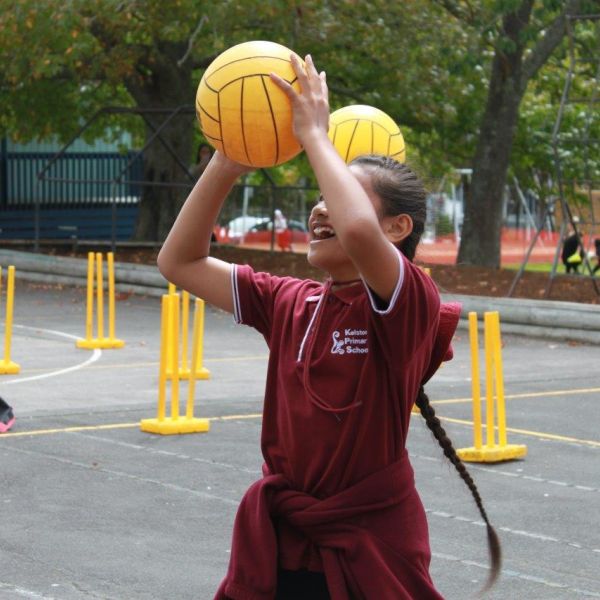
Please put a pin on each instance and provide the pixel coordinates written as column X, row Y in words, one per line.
column 184, row 257
column 353, row 216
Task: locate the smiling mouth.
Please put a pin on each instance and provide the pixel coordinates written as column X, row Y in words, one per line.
column 323, row 232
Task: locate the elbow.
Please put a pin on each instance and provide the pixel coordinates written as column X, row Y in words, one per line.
column 166, row 266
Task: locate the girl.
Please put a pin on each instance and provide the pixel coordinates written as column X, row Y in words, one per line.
column 336, row 514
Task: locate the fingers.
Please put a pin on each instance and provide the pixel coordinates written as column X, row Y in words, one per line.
column 282, row 84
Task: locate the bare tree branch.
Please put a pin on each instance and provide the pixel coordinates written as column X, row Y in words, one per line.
column 548, row 43
column 203, row 19
column 458, row 12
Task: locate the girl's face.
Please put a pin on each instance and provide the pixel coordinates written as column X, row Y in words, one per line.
column 324, row 251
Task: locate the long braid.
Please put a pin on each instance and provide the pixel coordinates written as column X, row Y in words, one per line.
column 402, row 192
column 444, row 441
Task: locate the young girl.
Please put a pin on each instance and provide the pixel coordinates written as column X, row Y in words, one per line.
column 336, row 514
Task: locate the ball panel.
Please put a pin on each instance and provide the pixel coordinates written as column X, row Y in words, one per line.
column 362, row 140
column 207, row 110
column 232, row 122
column 250, row 66
column 248, row 50
column 259, row 123
column 344, row 135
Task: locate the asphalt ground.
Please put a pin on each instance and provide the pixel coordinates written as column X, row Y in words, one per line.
column 91, row 507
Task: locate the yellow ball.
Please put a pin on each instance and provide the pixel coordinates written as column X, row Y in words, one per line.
column 360, row 129
column 242, row 113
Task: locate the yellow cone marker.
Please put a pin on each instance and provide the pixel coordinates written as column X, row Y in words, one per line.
column 169, row 360
column 7, row 366
column 491, row 451
column 95, row 263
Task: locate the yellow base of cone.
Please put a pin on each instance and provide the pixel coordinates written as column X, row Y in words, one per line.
column 202, row 373
column 102, row 343
column 491, row 454
column 170, row 426
column 9, row 368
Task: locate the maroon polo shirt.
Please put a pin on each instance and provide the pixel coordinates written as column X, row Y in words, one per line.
column 343, row 375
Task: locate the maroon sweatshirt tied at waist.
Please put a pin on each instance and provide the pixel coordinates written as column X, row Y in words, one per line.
column 357, row 562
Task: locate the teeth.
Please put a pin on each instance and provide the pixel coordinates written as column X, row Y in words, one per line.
column 323, row 230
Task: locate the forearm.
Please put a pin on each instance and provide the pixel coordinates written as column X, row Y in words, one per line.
column 189, row 238
column 350, row 210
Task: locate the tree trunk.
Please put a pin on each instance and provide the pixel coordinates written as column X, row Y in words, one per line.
column 167, row 86
column 482, row 226
column 480, row 240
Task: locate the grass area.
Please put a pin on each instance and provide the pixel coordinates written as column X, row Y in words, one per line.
column 542, row 267
column 534, row 267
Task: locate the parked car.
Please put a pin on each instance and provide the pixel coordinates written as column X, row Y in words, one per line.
column 239, row 227
column 261, row 232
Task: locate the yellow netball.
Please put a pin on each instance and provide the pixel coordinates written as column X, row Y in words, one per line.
column 360, row 129
column 242, row 113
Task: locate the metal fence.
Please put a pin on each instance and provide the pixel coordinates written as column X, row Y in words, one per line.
column 79, row 197
column 86, row 179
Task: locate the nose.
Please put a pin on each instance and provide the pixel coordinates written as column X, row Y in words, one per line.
column 320, row 209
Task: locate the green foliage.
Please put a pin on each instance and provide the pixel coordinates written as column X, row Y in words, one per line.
column 413, row 59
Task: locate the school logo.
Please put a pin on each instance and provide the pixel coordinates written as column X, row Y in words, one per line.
column 338, row 346
column 351, row 341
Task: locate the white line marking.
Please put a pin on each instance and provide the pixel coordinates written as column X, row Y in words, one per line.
column 473, row 467
column 23, row 592
column 95, row 356
column 518, row 532
column 168, row 486
column 506, row 572
column 206, row 461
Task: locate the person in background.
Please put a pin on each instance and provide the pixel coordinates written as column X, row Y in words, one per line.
column 283, row 234
column 203, row 157
column 597, row 246
column 572, row 250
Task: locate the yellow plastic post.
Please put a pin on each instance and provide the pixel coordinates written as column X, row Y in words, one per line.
column 489, row 379
column 95, row 263
column 111, row 295
column 185, row 322
column 99, row 297
column 475, row 382
column 7, row 366
column 162, row 370
column 184, row 369
column 500, row 402
column 200, row 371
column 89, row 307
column 175, row 424
column 174, row 326
column 171, row 291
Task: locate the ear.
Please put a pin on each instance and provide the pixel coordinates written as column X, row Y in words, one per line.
column 397, row 228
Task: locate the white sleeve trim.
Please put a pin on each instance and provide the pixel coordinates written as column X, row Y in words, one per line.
column 396, row 292
column 237, row 314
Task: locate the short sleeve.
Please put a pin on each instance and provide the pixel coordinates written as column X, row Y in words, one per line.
column 253, row 298
column 410, row 319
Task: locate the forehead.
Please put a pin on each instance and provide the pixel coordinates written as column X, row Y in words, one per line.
column 364, row 178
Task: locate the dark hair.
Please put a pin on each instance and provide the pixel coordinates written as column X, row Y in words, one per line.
column 402, row 192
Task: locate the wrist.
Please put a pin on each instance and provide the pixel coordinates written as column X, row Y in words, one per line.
column 228, row 167
column 315, row 137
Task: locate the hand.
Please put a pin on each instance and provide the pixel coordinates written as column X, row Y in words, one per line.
column 311, row 105
column 228, row 166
